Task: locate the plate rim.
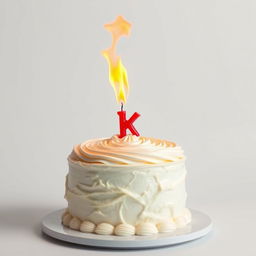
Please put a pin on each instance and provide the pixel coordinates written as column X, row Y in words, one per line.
column 117, row 242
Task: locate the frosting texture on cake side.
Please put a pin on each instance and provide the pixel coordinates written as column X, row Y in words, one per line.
column 134, row 184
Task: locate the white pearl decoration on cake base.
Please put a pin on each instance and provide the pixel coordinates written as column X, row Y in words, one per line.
column 75, row 223
column 124, row 229
column 87, row 227
column 146, row 229
column 104, row 229
column 167, row 226
column 66, row 219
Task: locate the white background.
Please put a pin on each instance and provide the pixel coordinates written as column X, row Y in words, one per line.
column 192, row 73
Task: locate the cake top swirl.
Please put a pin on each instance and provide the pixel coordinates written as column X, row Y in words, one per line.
column 129, row 150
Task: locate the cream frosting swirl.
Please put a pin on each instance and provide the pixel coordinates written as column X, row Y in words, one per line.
column 129, row 150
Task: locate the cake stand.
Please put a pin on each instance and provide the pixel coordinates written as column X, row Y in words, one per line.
column 200, row 225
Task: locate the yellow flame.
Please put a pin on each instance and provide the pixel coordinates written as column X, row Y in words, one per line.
column 117, row 72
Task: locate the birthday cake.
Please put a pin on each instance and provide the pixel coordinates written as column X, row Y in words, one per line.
column 126, row 186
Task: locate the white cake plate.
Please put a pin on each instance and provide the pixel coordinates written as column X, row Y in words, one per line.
column 201, row 225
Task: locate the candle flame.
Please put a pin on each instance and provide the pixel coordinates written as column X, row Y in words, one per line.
column 117, row 72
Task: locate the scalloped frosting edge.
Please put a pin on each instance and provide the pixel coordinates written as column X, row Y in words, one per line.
column 124, row 229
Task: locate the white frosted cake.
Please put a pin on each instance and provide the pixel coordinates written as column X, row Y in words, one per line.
column 128, row 186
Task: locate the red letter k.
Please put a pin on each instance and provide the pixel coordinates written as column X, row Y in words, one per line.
column 127, row 124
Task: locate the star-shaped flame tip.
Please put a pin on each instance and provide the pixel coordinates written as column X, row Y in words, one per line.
column 120, row 26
